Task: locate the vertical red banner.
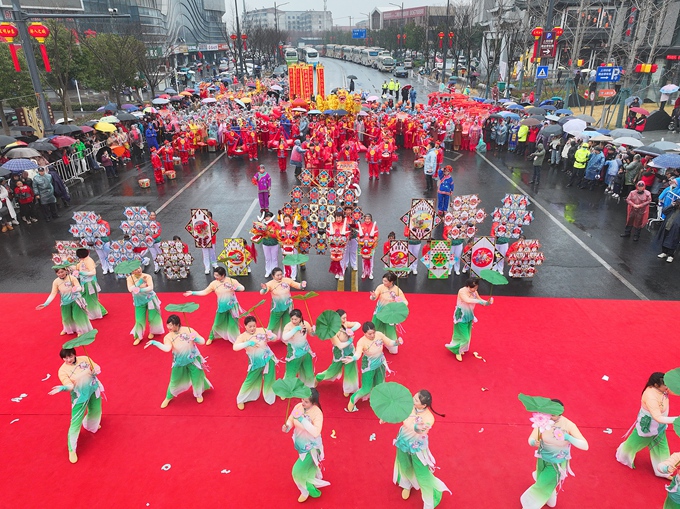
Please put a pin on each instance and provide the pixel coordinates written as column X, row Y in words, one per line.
column 292, row 80
column 320, row 81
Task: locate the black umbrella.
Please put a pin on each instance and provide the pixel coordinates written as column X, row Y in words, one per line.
column 101, row 151
column 648, row 151
column 66, row 129
column 6, row 140
column 43, row 146
column 4, row 172
column 124, row 116
column 22, row 128
column 351, row 77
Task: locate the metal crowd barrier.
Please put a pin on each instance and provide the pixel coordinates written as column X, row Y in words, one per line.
column 71, row 173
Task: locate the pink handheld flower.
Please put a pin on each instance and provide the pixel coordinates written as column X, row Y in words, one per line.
column 541, row 422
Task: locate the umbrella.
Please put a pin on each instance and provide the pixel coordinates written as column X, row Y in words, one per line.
column 251, row 310
column 627, row 140
column 407, row 87
column 667, row 161
column 362, row 114
column 209, row 100
column 530, row 122
column 556, row 98
column 129, row 107
column 176, row 98
column 393, row 313
column 515, row 107
column 340, row 113
column 665, row 145
column 62, row 141
column 83, row 340
column 278, row 88
column 287, row 388
column 672, row 380
column 160, row 101
column 504, row 100
column 164, row 96
column 6, row 140
column 22, row 128
column 314, row 112
column 66, row 129
column 86, row 128
column 111, row 119
column 631, row 133
column 563, row 120
column 601, row 137
column 44, row 146
column 493, row 277
column 301, row 110
column 190, row 90
column 295, row 259
column 537, row 117
column 20, row 165
column 547, row 101
column 240, row 103
column 649, row 151
column 391, row 402
column 372, row 98
column 549, row 107
column 509, row 116
column 124, row 116
column 305, row 298
column 22, row 152
column 631, row 99
column 586, row 118
column 534, row 110
column 62, row 120
column 575, row 125
column 563, row 111
column 328, row 324
column 170, row 90
column 4, row 173
column 351, row 77
column 150, row 109
column 127, row 267
column 185, row 94
column 105, row 127
column 540, row 404
column 552, row 130
column 187, row 307
column 669, row 89
column 603, row 131
column 641, row 111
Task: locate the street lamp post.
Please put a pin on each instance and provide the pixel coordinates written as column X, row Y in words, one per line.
column 448, row 29
column 276, row 21
column 402, row 13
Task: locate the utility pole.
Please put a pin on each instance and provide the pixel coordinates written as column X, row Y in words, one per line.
column 21, row 18
column 239, row 41
column 448, row 31
column 548, row 27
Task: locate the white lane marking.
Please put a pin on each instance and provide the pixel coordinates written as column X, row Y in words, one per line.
column 566, row 230
column 457, row 156
column 245, row 218
column 184, row 188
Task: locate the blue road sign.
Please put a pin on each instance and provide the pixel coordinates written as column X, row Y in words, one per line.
column 359, row 33
column 605, row 73
column 542, row 72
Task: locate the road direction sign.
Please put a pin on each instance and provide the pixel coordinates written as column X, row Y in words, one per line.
column 606, row 92
column 542, row 72
column 359, row 33
column 548, row 45
column 608, row 73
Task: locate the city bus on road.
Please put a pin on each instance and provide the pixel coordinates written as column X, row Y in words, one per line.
column 308, row 55
column 385, row 64
column 290, row 55
column 346, row 53
column 368, row 56
column 356, row 54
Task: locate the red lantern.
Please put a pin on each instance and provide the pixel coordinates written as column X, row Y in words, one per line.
column 441, row 39
column 537, row 32
column 9, row 32
column 558, row 32
column 40, row 32
column 244, row 38
column 450, row 40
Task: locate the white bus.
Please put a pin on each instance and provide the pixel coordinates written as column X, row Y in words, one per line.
column 381, row 53
column 308, row 55
column 368, row 56
column 385, row 64
column 346, row 53
column 290, row 55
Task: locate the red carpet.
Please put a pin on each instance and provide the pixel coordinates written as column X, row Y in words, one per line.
column 552, row 347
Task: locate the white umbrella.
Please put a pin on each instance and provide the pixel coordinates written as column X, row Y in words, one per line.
column 574, row 126
column 627, row 140
column 276, row 87
column 61, row 120
column 601, row 137
column 630, row 133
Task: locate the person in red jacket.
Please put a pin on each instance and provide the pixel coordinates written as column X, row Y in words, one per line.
column 281, row 154
column 26, row 202
column 373, row 158
column 251, row 144
column 157, row 166
column 167, row 154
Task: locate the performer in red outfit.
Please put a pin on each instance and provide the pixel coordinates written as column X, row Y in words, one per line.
column 281, row 154
column 373, row 158
column 157, row 166
column 251, row 144
column 182, row 147
column 337, row 236
column 167, row 154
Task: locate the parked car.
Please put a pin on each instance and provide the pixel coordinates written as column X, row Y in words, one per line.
column 408, row 64
column 280, row 72
column 400, row 72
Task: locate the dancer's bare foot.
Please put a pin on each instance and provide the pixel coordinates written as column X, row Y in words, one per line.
column 63, row 333
column 459, row 357
column 302, row 498
column 136, row 341
column 165, row 403
column 150, row 336
column 72, row 456
column 405, row 493
column 199, row 399
column 210, row 340
column 240, row 406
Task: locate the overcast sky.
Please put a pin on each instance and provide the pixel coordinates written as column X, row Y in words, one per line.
column 341, row 9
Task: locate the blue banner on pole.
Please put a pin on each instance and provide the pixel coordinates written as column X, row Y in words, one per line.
column 359, row 33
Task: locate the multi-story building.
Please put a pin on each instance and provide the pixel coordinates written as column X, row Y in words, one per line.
column 290, row 21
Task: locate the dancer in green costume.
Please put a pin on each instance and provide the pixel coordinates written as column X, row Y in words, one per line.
column 282, row 303
column 146, row 301
column 188, row 366
column 300, row 358
column 87, row 272
column 261, row 363
column 414, row 464
column 373, row 364
column 306, row 421
column 78, row 376
column 650, row 426
column 464, row 317
column 553, row 435
column 385, row 293
column 343, row 347
column 225, row 325
column 73, row 307
column 670, row 468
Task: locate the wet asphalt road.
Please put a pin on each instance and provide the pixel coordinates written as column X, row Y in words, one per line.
column 579, row 229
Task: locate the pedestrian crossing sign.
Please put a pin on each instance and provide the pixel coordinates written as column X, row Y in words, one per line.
column 542, row 72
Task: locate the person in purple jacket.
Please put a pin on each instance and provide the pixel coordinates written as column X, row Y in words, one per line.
column 264, row 186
